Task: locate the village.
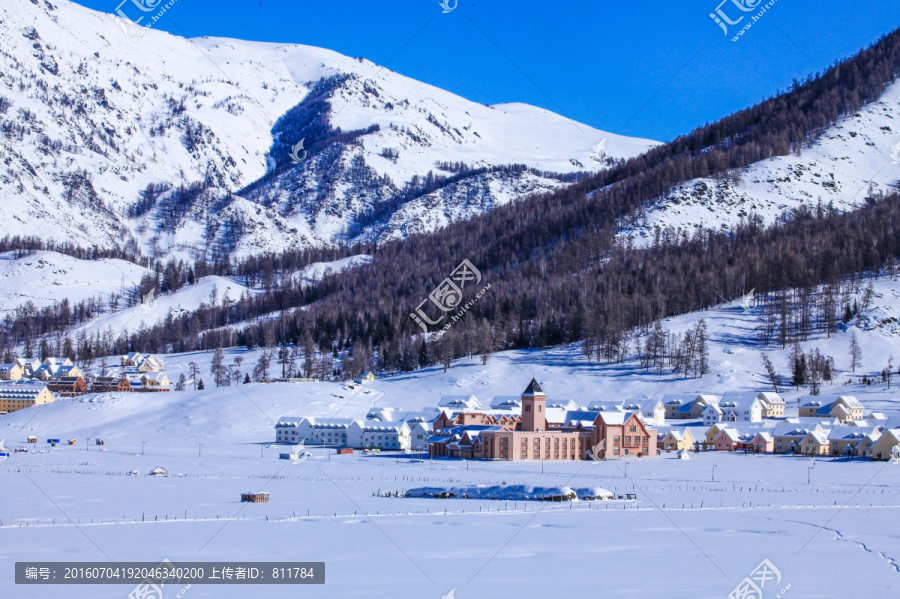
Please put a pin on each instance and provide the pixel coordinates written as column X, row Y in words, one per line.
column 532, row 427
column 28, row 382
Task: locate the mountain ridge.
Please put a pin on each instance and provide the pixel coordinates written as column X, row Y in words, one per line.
column 90, row 119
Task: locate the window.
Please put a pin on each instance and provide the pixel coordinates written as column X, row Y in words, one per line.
column 527, row 408
column 627, row 439
column 615, row 450
column 616, row 438
column 645, row 450
column 632, row 429
column 646, row 439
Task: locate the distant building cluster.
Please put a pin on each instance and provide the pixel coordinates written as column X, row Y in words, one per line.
column 27, row 382
column 532, row 427
column 824, row 426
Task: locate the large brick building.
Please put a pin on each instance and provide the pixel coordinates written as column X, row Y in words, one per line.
column 580, row 435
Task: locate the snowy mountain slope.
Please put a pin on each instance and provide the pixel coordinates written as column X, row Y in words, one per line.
column 315, row 272
column 45, row 278
column 156, row 310
column 90, row 117
column 850, row 161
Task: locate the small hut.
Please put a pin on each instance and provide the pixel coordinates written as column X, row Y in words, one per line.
column 255, row 497
column 159, row 471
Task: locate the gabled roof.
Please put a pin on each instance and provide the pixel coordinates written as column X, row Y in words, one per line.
column 587, row 417
column 771, row 397
column 605, row 405
column 679, row 398
column 617, row 418
column 678, row 435
column 827, row 401
column 819, row 436
column 506, row 402
column 738, row 400
column 793, row 429
column 457, row 401
column 562, row 404
column 644, row 405
column 848, row 432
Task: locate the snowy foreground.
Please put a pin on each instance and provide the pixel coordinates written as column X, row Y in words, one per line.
column 683, row 536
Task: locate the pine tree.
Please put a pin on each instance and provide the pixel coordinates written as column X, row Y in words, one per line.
column 201, row 386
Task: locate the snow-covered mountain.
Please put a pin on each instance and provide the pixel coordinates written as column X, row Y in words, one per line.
column 171, row 145
column 46, row 278
column 856, row 159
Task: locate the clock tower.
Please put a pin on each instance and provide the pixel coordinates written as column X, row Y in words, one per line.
column 534, row 408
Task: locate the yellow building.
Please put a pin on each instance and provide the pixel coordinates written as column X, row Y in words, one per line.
column 677, row 439
column 11, row 372
column 846, row 408
column 815, row 443
column 18, row 397
column 714, row 431
column 887, row 441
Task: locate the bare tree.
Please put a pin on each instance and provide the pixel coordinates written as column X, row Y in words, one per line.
column 855, row 351
column 195, row 370
column 771, row 374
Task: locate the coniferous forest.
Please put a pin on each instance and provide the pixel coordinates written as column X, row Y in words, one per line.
column 558, row 272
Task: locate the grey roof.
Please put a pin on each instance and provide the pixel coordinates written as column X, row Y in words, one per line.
column 533, row 388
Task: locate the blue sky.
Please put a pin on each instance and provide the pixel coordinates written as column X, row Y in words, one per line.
column 643, row 68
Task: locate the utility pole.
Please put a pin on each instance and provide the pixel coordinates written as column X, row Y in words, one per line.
column 714, row 473
column 142, row 447
column 200, row 450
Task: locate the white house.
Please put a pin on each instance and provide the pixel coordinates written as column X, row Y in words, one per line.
column 741, row 407
column 712, row 414
column 652, row 411
column 419, row 432
column 392, row 436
